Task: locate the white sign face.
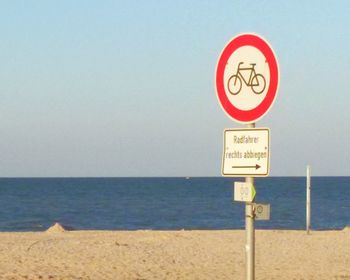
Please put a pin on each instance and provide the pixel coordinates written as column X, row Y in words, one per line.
column 246, row 152
column 244, row 192
column 262, row 211
column 247, row 78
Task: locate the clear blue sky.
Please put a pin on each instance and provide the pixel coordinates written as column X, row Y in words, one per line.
column 126, row 88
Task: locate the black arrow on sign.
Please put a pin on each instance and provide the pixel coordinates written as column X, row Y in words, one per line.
column 257, row 166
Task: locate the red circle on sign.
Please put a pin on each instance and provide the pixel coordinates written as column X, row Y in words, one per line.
column 252, row 115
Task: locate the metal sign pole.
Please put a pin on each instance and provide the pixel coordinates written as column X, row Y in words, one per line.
column 250, row 231
column 247, row 152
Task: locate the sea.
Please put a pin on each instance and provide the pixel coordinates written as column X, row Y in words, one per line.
column 34, row 204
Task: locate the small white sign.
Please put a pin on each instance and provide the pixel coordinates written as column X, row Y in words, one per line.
column 262, row 211
column 244, row 192
column 246, row 152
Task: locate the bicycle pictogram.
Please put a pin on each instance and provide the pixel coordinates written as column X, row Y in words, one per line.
column 256, row 81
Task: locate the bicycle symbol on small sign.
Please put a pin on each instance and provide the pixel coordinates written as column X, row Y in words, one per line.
column 244, row 192
column 256, row 81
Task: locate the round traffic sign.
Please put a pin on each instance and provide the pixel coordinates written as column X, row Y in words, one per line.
column 247, row 78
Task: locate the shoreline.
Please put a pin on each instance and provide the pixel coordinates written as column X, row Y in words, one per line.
column 175, row 230
column 347, row 228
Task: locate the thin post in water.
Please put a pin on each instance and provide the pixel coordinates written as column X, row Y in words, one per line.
column 308, row 198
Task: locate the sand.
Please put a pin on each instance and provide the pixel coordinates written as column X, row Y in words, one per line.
column 280, row 254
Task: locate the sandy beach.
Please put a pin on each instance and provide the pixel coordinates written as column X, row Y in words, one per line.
column 219, row 254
